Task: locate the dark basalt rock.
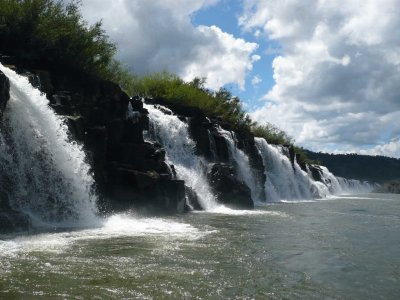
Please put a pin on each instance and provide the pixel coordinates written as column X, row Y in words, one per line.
column 128, row 171
column 316, row 172
column 219, row 146
column 209, row 142
column 142, row 157
column 302, row 164
column 247, row 143
column 212, row 145
column 12, row 221
column 4, row 203
column 4, row 91
column 148, row 191
column 228, row 189
column 292, row 155
column 192, row 199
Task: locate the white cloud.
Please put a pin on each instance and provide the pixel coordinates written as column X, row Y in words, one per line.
column 390, row 149
column 158, row 35
column 337, row 74
column 256, row 80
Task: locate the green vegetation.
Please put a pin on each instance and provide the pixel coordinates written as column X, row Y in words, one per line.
column 272, row 134
column 362, row 167
column 48, row 33
column 51, row 34
column 303, row 158
column 220, row 104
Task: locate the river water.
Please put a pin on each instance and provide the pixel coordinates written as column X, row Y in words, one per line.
column 342, row 248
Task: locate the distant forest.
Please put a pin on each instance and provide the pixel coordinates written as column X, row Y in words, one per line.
column 363, row 167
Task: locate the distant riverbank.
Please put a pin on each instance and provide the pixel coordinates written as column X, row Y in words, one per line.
column 392, row 187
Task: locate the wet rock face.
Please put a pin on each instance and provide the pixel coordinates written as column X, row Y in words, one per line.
column 316, row 173
column 4, row 91
column 246, row 143
column 212, row 145
column 12, row 221
column 146, row 191
column 228, row 189
column 192, row 200
column 129, row 172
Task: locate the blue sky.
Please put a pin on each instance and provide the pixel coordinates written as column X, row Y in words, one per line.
column 333, row 84
column 225, row 15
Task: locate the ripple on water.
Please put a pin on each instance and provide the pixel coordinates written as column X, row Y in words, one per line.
column 120, row 225
column 223, row 210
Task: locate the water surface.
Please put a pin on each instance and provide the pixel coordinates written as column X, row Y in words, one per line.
column 342, row 248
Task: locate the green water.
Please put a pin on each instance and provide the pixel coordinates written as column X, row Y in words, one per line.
column 344, row 248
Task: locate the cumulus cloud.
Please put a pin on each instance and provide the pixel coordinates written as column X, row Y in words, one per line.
column 337, row 73
column 158, row 35
column 256, row 80
column 389, row 149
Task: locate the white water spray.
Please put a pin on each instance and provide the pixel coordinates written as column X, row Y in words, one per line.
column 174, row 135
column 285, row 182
column 47, row 173
column 339, row 185
column 289, row 182
column 244, row 170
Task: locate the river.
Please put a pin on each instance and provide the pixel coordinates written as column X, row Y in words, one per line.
column 340, row 248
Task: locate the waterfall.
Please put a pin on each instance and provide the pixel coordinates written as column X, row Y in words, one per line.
column 213, row 146
column 45, row 172
column 290, row 182
column 285, row 181
column 339, row 185
column 173, row 134
column 243, row 168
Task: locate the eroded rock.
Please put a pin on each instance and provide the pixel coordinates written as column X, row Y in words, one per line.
column 227, row 188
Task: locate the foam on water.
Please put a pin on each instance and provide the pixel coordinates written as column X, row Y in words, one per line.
column 223, row 210
column 124, row 224
column 120, row 225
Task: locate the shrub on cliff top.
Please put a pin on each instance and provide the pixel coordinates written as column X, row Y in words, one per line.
column 215, row 104
column 272, row 134
column 51, row 34
column 48, row 33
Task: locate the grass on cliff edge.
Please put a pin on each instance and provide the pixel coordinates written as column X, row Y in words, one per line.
column 219, row 104
column 53, row 34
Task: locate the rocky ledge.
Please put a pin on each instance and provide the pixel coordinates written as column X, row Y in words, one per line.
column 129, row 172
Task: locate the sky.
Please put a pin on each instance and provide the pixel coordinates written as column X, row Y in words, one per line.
column 326, row 72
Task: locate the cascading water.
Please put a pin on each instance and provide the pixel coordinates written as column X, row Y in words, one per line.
column 174, row 135
column 45, row 172
column 244, row 170
column 285, row 181
column 213, row 146
column 330, row 181
column 338, row 185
